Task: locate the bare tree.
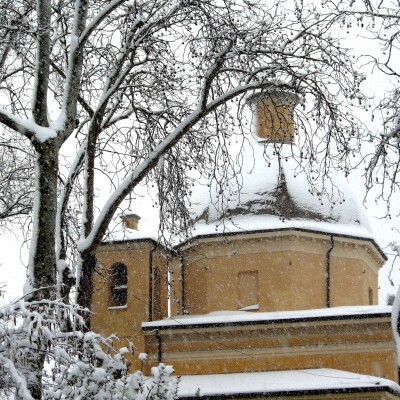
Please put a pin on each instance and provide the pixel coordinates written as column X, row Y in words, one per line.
column 16, row 171
column 147, row 89
column 378, row 22
column 380, row 19
column 153, row 83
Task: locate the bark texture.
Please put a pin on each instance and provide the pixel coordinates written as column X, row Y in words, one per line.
column 43, row 256
column 85, row 288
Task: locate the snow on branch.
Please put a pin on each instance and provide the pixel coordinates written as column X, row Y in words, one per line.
column 29, row 129
column 75, row 365
column 17, row 378
column 98, row 19
column 66, row 119
column 150, row 162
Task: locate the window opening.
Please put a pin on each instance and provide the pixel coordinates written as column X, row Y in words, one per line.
column 248, row 292
column 157, row 294
column 370, row 296
column 118, row 285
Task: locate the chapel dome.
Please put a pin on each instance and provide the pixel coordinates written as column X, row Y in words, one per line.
column 276, row 193
column 275, row 190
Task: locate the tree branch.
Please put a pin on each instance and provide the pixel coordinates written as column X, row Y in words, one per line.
column 66, row 191
column 42, row 64
column 134, row 178
column 98, row 19
column 85, row 105
column 16, row 124
column 74, row 72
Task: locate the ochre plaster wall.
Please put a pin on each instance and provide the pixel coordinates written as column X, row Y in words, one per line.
column 292, row 272
column 351, row 279
column 287, row 281
column 143, row 301
column 274, row 119
column 161, row 261
column 363, row 346
column 176, row 286
column 291, row 267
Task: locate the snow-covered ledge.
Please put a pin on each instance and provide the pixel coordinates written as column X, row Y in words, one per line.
column 233, row 317
column 306, row 381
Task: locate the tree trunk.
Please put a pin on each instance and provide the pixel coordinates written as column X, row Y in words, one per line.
column 87, row 258
column 42, row 256
column 34, row 379
column 85, row 286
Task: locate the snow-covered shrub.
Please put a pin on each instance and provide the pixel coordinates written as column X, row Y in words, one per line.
column 161, row 386
column 35, row 349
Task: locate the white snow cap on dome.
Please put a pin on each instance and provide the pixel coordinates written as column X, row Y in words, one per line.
column 274, row 192
column 277, row 193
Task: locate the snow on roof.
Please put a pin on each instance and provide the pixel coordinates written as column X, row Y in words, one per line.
column 239, row 317
column 305, row 380
column 245, row 223
column 277, row 193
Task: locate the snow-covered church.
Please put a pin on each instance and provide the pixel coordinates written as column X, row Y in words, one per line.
column 274, row 295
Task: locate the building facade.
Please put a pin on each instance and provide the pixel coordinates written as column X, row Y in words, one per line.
column 278, row 283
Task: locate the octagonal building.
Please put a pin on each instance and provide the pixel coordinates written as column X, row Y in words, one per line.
column 281, row 275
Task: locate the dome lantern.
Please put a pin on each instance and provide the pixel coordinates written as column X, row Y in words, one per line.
column 131, row 221
column 273, row 113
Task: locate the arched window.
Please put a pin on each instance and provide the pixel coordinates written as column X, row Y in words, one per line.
column 118, row 285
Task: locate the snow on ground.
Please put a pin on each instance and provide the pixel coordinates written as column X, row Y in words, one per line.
column 322, row 379
column 221, row 317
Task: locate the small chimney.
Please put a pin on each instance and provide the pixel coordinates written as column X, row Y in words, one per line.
column 273, row 114
column 131, row 221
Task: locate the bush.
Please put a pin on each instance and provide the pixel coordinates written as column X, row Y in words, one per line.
column 39, row 358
